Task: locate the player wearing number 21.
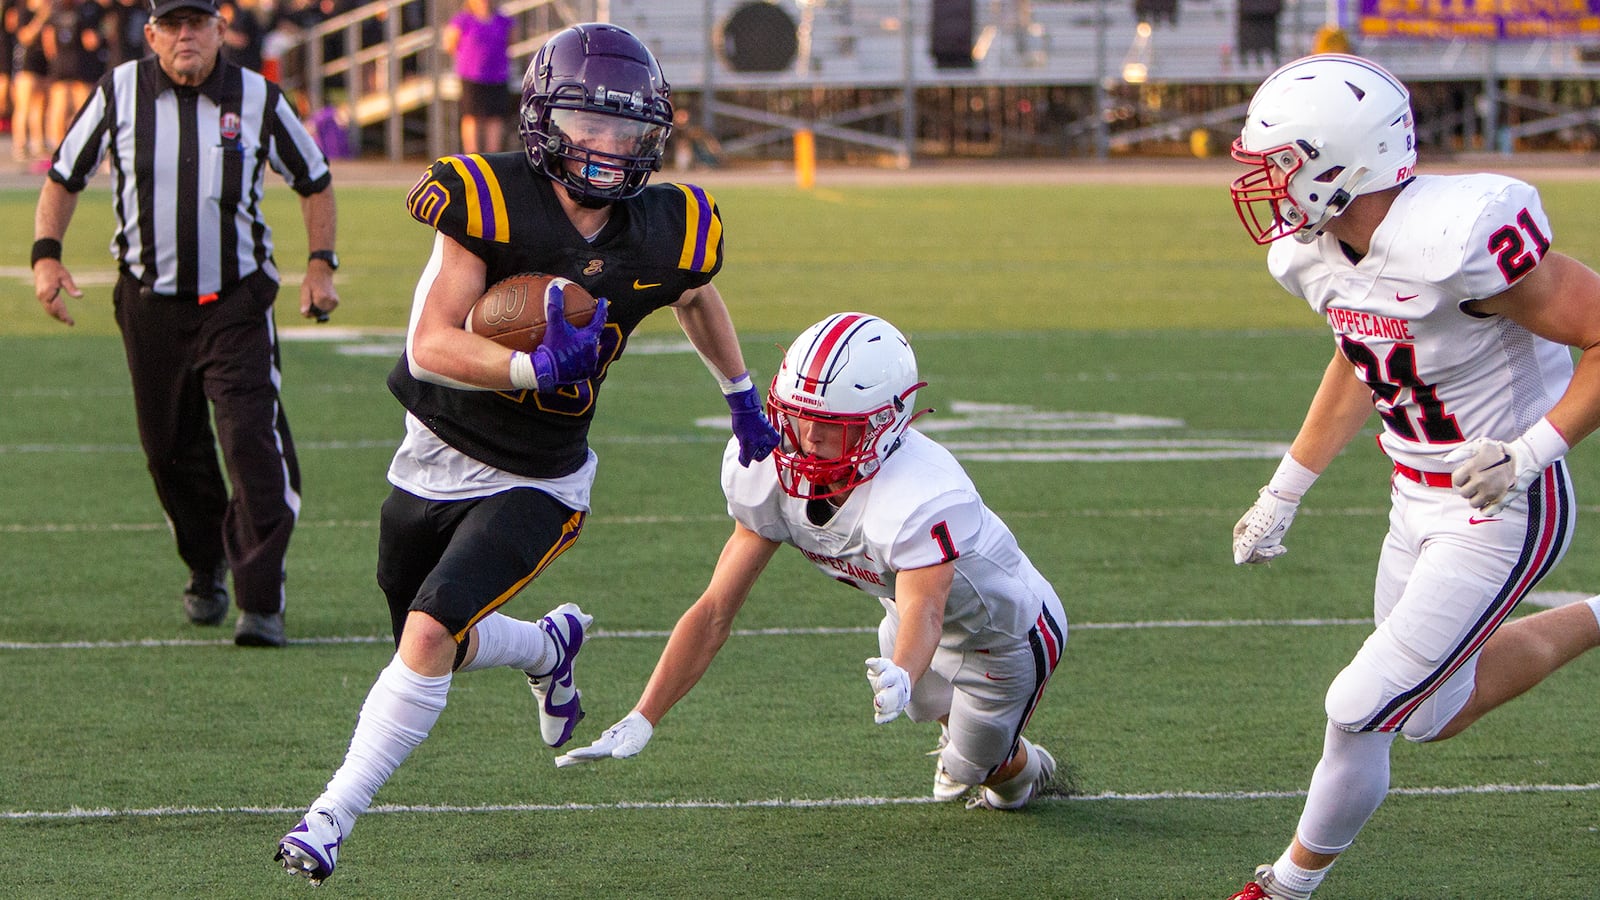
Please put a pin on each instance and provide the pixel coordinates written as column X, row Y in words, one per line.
column 971, row 631
column 492, row 480
column 1453, row 316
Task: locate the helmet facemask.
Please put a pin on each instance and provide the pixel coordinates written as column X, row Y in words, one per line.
column 600, row 157
column 802, row 474
column 1265, row 199
column 595, row 113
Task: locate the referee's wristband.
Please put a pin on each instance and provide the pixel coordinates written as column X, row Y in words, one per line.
column 45, row 248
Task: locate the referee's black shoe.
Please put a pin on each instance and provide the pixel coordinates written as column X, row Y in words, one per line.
column 259, row 630
column 205, row 600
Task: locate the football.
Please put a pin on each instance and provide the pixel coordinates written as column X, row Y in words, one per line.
column 511, row 311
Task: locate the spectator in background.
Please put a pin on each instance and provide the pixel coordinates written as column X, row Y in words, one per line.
column 122, row 29
column 375, row 71
column 276, row 44
column 241, row 44
column 30, row 80
column 8, row 42
column 479, row 36
column 692, row 144
column 74, row 47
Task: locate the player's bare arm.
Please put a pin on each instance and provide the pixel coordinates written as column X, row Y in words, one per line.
column 1338, row 410
column 1560, row 301
column 50, row 277
column 440, row 343
column 704, row 318
column 705, row 626
column 919, row 595
column 694, row 642
column 1340, row 407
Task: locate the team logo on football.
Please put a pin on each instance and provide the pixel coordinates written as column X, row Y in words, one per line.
column 506, row 305
column 229, row 126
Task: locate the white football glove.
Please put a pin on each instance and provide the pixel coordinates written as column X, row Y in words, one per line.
column 1491, row 474
column 620, row 741
column 891, row 689
column 1258, row 535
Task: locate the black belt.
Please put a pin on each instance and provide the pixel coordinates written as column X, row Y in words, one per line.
column 147, row 292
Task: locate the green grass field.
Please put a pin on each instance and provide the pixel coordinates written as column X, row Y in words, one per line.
column 144, row 757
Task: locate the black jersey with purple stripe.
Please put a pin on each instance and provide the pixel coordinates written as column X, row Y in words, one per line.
column 657, row 245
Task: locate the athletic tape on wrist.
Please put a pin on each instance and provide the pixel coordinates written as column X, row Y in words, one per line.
column 1292, row 480
column 736, row 385
column 1546, row 443
column 522, row 373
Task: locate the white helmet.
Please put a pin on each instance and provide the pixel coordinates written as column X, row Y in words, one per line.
column 850, row 369
column 1320, row 131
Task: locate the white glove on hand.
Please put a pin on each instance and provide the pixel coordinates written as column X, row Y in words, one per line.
column 620, row 741
column 891, row 689
column 1258, row 536
column 1491, row 474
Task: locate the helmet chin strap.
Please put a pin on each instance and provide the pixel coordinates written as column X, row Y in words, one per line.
column 584, row 199
column 1337, row 203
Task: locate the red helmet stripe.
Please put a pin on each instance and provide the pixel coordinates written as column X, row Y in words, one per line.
column 832, row 338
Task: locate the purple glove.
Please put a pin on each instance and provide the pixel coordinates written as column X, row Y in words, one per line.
column 756, row 435
column 567, row 355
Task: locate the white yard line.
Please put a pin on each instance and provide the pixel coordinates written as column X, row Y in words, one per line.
column 1555, row 598
column 605, row 519
column 81, row 813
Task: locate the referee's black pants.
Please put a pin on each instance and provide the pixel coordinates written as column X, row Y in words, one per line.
column 182, row 355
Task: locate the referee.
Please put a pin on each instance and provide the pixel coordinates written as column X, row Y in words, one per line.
column 189, row 138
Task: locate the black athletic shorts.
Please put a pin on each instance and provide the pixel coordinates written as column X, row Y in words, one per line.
column 459, row 560
column 484, row 101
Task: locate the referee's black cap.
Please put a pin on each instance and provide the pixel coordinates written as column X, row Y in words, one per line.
column 159, row 8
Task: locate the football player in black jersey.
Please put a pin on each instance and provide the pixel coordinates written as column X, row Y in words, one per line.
column 492, row 480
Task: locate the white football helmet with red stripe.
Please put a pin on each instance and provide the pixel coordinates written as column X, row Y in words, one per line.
column 1320, row 132
column 850, row 369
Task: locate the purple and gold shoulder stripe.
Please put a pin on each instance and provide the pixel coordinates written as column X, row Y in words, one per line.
column 702, row 230
column 484, row 202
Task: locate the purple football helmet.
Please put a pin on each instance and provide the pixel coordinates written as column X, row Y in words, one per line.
column 595, row 113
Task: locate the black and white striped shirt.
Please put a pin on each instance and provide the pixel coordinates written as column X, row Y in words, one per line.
column 188, row 166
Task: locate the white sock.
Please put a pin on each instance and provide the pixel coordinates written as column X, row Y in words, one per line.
column 398, row 714
column 1594, row 607
column 1290, row 882
column 1013, row 792
column 504, row 641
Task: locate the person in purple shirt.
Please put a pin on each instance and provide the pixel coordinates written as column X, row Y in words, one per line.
column 479, row 37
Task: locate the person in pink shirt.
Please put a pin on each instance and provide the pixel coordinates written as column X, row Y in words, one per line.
column 479, row 36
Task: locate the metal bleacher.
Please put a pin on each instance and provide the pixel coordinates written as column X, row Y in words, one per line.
column 1099, row 75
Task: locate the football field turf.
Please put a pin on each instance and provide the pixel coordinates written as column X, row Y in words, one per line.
column 1118, row 374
